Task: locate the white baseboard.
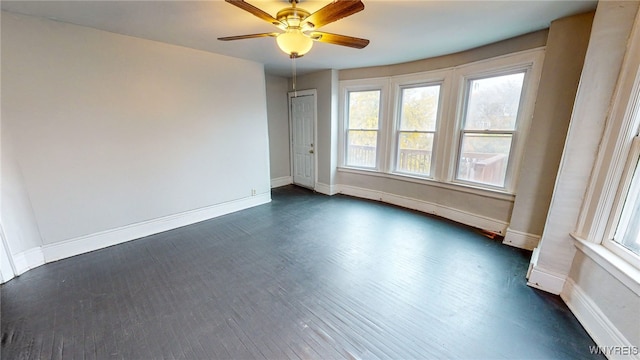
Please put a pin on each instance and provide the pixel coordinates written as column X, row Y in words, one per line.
column 597, row 324
column 28, row 260
column 326, row 189
column 281, row 181
column 521, row 239
column 84, row 244
column 463, row 217
column 546, row 280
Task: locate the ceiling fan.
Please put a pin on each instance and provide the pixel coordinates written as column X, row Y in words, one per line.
column 300, row 26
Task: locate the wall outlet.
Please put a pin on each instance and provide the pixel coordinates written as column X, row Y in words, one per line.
column 253, row 192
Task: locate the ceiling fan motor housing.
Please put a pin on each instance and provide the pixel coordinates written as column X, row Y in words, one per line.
column 292, row 16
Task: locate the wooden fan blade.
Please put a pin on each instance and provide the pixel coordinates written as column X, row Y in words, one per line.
column 334, row 11
column 250, row 36
column 257, row 12
column 336, row 39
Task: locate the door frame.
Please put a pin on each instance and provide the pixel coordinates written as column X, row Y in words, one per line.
column 291, row 95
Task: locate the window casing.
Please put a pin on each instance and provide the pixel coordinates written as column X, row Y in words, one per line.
column 625, row 241
column 417, row 119
column 488, row 128
column 363, row 125
column 363, row 139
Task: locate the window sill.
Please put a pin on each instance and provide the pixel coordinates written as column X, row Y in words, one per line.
column 626, row 273
column 489, row 193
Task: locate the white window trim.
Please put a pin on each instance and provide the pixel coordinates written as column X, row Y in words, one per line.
column 447, row 139
column 381, row 84
column 398, row 83
column 531, row 63
column 617, row 213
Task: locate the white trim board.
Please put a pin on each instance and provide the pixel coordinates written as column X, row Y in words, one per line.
column 87, row 243
column 281, row 181
column 521, row 239
column 27, row 260
column 595, row 322
column 326, row 189
column 546, row 280
column 463, row 217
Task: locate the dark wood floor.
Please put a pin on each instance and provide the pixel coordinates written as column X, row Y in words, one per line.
column 306, row 276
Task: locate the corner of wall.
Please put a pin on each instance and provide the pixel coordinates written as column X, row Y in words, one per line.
column 544, row 279
column 29, row 259
column 521, row 239
column 326, row 189
column 281, row 181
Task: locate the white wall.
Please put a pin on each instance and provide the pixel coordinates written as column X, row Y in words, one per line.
column 279, row 138
column 112, row 132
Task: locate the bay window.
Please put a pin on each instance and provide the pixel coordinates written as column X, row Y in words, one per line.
column 459, row 126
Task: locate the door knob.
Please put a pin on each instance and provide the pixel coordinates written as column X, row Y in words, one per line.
column 311, row 151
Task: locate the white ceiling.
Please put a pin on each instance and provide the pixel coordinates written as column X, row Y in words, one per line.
column 399, row 31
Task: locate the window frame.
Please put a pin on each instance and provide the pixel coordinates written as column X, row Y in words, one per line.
column 616, row 221
column 529, row 63
column 360, row 86
column 399, row 83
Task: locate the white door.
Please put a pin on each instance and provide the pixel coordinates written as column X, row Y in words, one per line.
column 303, row 147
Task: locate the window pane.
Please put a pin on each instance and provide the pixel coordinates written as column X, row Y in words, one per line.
column 419, row 108
column 364, row 109
column 361, row 148
column 493, row 103
column 628, row 233
column 484, row 158
column 414, row 153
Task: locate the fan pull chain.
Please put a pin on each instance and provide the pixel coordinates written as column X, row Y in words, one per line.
column 293, row 68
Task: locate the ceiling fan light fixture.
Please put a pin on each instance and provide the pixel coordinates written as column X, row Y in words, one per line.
column 294, row 42
column 300, row 25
